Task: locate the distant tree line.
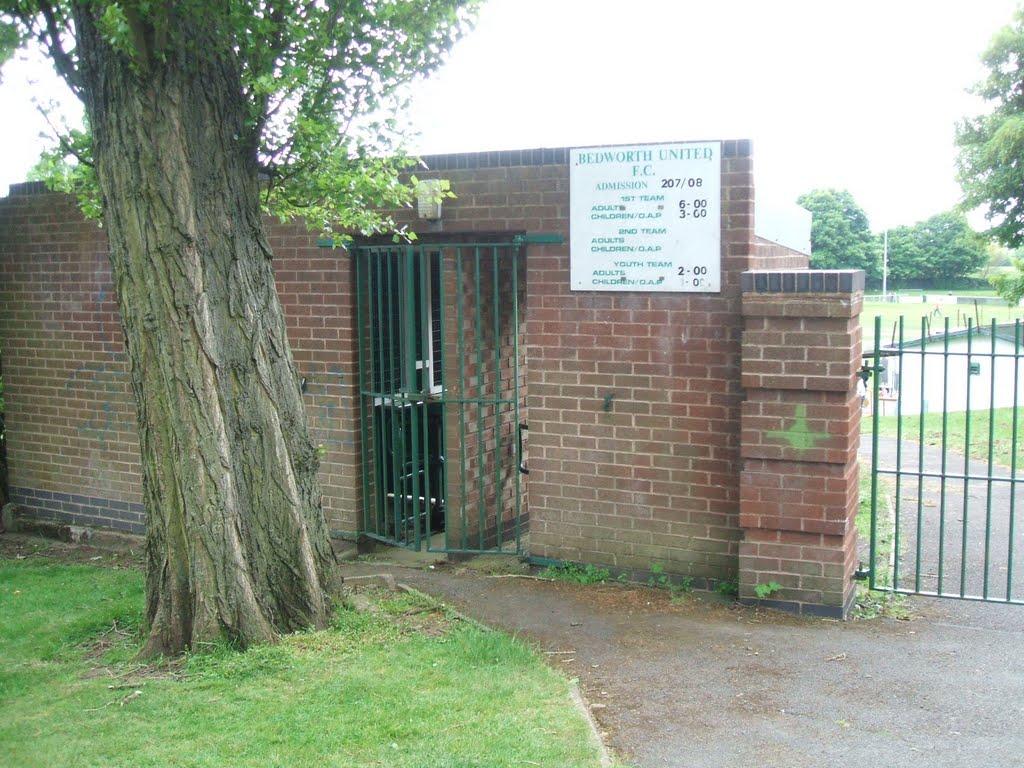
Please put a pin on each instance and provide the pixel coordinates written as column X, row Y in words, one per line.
column 938, row 251
column 943, row 250
column 990, row 166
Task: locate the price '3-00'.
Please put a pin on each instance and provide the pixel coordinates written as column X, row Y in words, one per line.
column 699, row 209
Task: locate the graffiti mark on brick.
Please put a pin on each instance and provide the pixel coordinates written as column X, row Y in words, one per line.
column 101, row 386
column 110, row 338
column 324, row 406
column 798, row 435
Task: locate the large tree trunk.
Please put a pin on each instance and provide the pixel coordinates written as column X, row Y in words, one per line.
column 237, row 544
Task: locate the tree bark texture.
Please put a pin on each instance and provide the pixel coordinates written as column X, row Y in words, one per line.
column 237, row 544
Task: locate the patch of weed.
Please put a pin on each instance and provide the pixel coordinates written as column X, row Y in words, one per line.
column 576, row 574
column 728, row 588
column 873, row 604
column 766, row 589
column 662, row 580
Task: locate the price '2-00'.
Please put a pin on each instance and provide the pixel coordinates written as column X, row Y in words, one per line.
column 696, row 271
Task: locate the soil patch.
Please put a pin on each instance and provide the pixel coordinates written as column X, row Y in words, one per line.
column 118, row 552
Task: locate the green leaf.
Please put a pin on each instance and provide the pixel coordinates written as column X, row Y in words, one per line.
column 767, row 590
column 323, row 85
column 840, row 233
column 11, row 39
column 990, row 162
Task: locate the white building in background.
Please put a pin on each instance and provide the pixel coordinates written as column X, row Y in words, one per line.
column 964, row 370
column 784, row 223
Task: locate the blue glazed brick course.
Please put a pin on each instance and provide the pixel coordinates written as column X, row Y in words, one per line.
column 802, row 281
column 76, row 509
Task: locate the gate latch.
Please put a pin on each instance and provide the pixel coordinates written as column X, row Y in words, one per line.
column 522, row 464
column 866, row 371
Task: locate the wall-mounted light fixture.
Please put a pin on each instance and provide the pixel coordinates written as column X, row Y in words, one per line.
column 429, row 194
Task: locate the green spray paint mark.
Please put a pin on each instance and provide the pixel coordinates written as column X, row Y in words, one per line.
column 798, row 435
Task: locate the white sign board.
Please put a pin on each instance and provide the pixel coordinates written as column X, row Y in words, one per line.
column 646, row 217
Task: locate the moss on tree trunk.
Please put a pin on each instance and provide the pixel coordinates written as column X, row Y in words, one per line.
column 237, row 543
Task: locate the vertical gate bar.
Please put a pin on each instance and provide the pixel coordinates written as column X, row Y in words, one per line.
column 443, row 313
column 896, row 517
column 515, row 391
column 383, row 323
column 460, row 295
column 409, row 358
column 387, row 464
column 967, row 463
column 358, row 256
column 1013, row 455
column 402, row 492
column 383, row 426
column 945, row 425
column 394, row 411
column 873, row 548
column 377, row 330
column 417, row 409
column 481, row 507
column 422, row 359
column 373, row 278
column 897, row 362
column 425, row 361
column 920, row 456
column 495, row 269
column 899, row 448
column 402, row 343
column 991, row 453
column 387, row 475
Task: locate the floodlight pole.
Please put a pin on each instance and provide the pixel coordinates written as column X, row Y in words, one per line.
column 885, row 263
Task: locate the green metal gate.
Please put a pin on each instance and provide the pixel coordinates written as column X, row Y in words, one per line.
column 442, row 373
column 946, row 460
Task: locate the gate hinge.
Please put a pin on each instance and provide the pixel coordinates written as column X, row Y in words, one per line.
column 862, row 573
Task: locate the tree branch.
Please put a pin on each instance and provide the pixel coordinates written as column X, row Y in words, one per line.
column 65, row 144
column 62, row 60
column 275, row 47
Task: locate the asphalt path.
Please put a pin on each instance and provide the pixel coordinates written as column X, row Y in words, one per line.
column 960, row 536
column 704, row 682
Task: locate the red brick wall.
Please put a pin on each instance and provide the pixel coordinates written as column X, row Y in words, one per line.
column 71, row 439
column 634, row 410
column 771, row 255
column 635, row 401
column 634, row 398
column 801, row 424
column 315, row 285
column 72, row 445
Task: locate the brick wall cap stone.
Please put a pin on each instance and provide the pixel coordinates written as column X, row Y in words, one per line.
column 802, row 281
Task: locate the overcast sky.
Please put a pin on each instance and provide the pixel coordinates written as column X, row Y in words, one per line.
column 860, row 96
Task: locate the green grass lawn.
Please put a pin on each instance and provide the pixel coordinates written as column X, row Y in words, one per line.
column 408, row 686
column 958, row 315
column 1001, row 442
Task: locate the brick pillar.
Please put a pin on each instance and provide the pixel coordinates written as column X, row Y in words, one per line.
column 800, row 429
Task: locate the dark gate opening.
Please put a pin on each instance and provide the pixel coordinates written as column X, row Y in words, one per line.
column 442, row 376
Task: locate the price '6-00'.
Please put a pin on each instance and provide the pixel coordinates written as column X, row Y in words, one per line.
column 699, row 210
